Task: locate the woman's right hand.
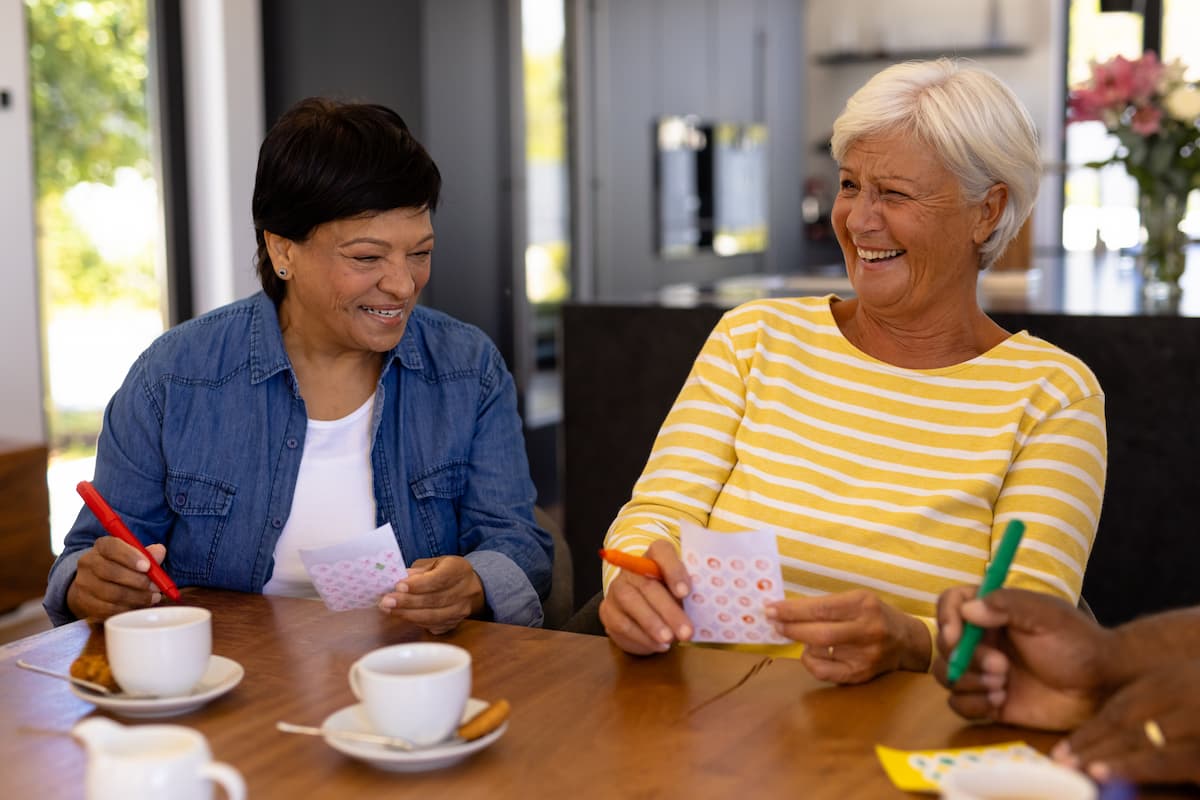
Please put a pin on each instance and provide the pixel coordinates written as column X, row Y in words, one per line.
column 1042, row 663
column 111, row 578
column 641, row 615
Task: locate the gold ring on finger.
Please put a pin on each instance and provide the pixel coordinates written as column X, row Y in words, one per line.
column 1154, row 734
column 830, row 651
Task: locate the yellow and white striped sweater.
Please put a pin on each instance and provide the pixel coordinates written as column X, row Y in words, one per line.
column 874, row 476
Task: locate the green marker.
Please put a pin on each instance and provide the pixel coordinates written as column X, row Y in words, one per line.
column 993, row 579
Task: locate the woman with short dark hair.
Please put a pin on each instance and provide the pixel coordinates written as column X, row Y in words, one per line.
column 321, row 408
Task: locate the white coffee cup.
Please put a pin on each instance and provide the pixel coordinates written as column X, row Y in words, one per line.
column 1019, row 781
column 415, row 691
column 152, row 762
column 159, row 651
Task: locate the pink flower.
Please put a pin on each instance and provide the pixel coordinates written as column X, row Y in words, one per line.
column 1084, row 105
column 1146, row 120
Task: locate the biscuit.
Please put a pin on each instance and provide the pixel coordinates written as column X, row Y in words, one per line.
column 92, row 663
column 485, row 721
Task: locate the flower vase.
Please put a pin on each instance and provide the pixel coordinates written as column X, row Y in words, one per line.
column 1163, row 255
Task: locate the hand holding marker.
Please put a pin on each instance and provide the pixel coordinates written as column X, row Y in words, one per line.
column 993, row 579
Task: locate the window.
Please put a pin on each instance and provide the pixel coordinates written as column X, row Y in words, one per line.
column 99, row 219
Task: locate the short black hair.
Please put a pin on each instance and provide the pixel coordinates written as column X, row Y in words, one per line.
column 326, row 160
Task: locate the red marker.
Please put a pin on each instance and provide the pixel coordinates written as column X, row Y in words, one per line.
column 639, row 564
column 112, row 523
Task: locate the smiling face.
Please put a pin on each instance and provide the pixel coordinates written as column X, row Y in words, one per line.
column 352, row 283
column 910, row 240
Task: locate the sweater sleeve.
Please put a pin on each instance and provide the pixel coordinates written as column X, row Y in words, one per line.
column 1055, row 486
column 693, row 453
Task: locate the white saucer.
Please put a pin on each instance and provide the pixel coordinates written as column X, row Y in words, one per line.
column 222, row 675
column 354, row 718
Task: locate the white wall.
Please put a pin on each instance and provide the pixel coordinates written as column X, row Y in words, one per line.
column 222, row 53
column 1037, row 25
column 21, row 413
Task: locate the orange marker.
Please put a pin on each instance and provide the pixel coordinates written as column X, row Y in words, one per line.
column 639, row 564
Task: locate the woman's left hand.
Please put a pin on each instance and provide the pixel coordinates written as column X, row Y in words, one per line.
column 851, row 637
column 1148, row 732
column 437, row 594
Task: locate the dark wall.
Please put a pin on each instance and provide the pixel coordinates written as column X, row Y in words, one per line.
column 624, row 365
column 351, row 49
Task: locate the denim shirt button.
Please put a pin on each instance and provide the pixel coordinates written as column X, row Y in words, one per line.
column 277, row 523
column 180, row 499
column 292, row 443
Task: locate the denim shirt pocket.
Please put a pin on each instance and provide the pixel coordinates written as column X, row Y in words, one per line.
column 437, row 493
column 201, row 505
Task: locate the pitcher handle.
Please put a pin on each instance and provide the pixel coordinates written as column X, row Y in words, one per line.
column 229, row 779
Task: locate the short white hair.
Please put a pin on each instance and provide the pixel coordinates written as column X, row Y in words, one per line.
column 968, row 118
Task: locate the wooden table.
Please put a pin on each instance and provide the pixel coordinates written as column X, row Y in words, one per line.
column 588, row 721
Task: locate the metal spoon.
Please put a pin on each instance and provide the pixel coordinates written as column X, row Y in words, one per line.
column 89, row 685
column 357, row 736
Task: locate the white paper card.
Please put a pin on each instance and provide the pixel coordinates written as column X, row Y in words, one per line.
column 355, row 574
column 734, row 576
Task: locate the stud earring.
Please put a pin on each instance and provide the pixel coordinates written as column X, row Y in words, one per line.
column 283, row 273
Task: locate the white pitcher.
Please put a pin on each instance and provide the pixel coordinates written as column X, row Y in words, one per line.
column 152, row 762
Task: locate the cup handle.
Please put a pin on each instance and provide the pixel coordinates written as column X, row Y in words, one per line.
column 354, row 683
column 229, row 779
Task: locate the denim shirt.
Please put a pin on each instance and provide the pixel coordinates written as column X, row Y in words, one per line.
column 201, row 448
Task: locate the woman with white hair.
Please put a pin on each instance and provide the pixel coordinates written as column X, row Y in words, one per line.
column 885, row 439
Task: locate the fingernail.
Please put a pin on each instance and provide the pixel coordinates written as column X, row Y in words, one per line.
column 681, row 590
column 662, row 648
column 401, row 587
column 1099, row 771
column 155, row 598
column 664, row 634
column 685, row 632
column 1061, row 753
column 387, row 602
column 143, row 565
column 771, row 612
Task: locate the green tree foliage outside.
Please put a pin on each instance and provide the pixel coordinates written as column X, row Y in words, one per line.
column 545, row 123
column 88, row 71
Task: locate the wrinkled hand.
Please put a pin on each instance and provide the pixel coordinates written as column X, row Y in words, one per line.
column 111, row 578
column 641, row 615
column 437, row 594
column 1115, row 742
column 867, row 635
column 1041, row 663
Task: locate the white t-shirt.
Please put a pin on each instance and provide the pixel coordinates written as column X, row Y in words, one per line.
column 334, row 499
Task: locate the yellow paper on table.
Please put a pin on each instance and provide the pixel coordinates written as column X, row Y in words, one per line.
column 923, row 770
